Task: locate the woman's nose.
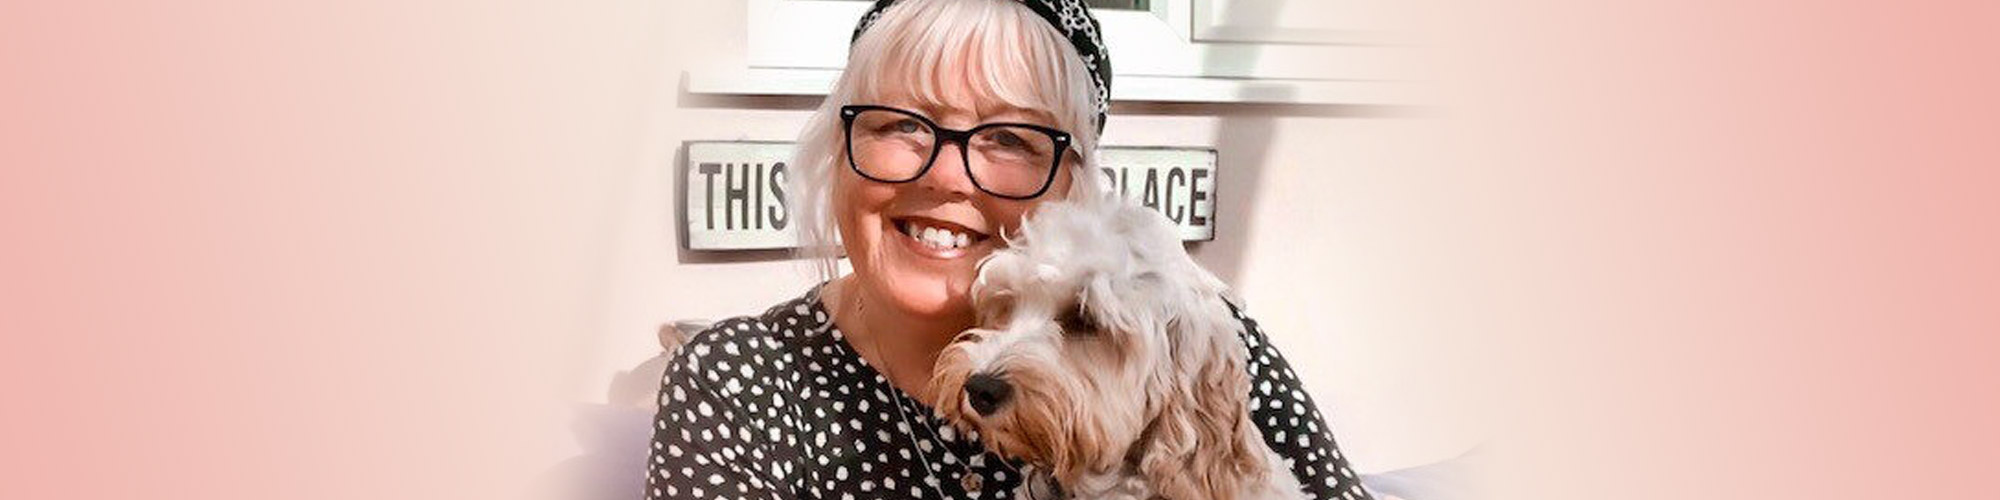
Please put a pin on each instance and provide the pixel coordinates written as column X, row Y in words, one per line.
column 948, row 173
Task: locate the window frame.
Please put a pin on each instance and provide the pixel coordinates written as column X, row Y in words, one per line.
column 797, row 47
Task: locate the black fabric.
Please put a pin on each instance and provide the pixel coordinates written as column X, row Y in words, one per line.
column 779, row 406
column 1071, row 18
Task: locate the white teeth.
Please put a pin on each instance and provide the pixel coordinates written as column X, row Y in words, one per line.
column 937, row 237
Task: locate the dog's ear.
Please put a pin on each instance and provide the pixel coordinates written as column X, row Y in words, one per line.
column 1201, row 441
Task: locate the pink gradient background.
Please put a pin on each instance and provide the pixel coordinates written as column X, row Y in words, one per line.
column 1734, row 249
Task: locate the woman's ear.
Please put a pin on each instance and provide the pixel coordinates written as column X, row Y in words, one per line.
column 1201, row 443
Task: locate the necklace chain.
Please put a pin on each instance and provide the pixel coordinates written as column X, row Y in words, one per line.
column 890, row 377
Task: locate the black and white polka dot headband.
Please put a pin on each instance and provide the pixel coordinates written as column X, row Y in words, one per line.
column 1069, row 17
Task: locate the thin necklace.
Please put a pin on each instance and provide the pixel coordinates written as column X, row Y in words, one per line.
column 969, row 480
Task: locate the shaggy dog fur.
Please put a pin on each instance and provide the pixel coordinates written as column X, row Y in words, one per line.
column 1120, row 369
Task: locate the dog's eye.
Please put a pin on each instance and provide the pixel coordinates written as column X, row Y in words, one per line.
column 1075, row 322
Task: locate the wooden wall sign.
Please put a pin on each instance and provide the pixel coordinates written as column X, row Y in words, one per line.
column 736, row 191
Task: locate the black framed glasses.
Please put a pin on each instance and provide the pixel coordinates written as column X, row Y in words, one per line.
column 1016, row 161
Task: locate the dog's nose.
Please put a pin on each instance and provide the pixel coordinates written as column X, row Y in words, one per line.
column 987, row 392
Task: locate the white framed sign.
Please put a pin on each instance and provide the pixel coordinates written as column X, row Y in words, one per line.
column 735, row 191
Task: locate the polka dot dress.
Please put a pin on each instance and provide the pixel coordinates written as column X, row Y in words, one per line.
column 779, row 406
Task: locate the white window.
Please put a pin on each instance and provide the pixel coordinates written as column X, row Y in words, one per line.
column 1263, row 51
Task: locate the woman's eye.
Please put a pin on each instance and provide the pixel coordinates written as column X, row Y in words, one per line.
column 1010, row 144
column 900, row 127
column 1008, row 139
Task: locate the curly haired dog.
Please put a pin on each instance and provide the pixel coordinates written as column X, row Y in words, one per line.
column 1107, row 359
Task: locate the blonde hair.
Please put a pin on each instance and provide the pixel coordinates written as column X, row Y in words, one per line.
column 1017, row 59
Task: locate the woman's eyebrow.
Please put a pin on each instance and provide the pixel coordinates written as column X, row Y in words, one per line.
column 1017, row 114
column 985, row 112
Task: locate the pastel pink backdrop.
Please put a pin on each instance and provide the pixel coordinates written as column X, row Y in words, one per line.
column 1747, row 247
column 254, row 250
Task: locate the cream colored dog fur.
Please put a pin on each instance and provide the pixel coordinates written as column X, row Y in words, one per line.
column 1107, row 359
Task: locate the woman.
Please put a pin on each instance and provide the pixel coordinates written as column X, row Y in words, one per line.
column 953, row 119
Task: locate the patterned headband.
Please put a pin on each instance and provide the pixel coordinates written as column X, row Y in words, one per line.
column 1069, row 17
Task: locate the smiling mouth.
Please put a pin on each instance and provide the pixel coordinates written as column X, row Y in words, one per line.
column 938, row 236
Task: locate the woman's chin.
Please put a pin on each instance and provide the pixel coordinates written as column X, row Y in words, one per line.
column 928, row 294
